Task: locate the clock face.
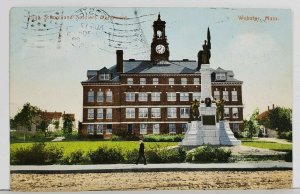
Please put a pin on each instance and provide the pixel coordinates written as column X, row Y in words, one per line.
column 160, row 49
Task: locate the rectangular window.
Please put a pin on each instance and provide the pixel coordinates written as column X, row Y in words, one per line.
column 155, row 128
column 172, row 113
column 104, row 76
column 109, row 96
column 143, row 112
column 130, row 113
column 184, row 112
column 90, row 113
column 90, row 129
column 142, row 81
column 197, row 96
column 91, row 96
column 155, row 96
column 143, row 96
column 99, row 96
column 217, row 95
column 129, row 81
column 100, row 129
column 196, row 81
column 221, row 76
column 100, row 113
column 143, row 128
column 235, row 113
column 171, row 81
column 109, row 128
column 155, row 81
column 184, row 127
column 172, row 128
column 155, row 112
column 171, row 96
column 109, row 113
column 184, row 96
column 225, row 95
column 183, row 81
column 226, row 113
column 130, row 96
column 234, row 95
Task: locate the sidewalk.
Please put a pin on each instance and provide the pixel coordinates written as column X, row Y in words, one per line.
column 108, row 168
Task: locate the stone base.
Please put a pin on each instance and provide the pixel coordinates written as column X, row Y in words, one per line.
column 199, row 134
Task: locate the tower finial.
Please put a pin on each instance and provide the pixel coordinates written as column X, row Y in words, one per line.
column 158, row 16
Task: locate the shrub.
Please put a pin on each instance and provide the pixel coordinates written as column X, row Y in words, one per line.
column 131, row 156
column 163, row 138
column 208, row 153
column 38, row 153
column 165, row 155
column 289, row 156
column 152, row 156
column 238, row 134
column 72, row 136
column 286, row 135
column 76, row 157
column 54, row 154
column 189, row 157
column 116, row 138
column 222, row 155
column 104, row 155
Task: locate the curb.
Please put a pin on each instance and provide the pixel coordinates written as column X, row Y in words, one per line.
column 125, row 170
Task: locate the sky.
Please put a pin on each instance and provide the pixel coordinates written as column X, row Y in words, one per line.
column 50, row 57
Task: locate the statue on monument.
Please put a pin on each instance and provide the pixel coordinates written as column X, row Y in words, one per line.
column 204, row 55
column 195, row 110
column 220, row 109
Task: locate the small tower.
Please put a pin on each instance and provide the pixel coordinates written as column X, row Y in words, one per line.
column 159, row 45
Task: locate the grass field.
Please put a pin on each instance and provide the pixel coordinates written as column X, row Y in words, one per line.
column 130, row 145
column 268, row 145
column 92, row 145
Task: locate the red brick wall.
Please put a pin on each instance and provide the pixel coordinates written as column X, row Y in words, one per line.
column 119, row 98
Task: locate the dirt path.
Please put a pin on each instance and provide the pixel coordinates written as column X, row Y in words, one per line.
column 152, row 181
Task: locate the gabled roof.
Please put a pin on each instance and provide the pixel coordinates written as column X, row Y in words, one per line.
column 104, row 70
column 51, row 115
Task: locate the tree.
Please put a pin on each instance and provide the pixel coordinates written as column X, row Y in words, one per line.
column 27, row 116
column 67, row 125
column 251, row 125
column 281, row 119
column 43, row 126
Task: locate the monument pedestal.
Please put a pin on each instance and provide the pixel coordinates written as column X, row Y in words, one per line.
column 207, row 131
column 218, row 134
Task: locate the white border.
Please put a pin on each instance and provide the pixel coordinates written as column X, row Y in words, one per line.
column 5, row 6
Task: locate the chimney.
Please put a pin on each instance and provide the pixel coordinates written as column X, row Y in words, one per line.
column 273, row 106
column 120, row 61
column 268, row 108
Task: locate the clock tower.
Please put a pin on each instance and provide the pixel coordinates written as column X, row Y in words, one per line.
column 159, row 45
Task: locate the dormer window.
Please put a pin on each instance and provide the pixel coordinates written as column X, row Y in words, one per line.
column 129, row 81
column 221, row 76
column 104, row 76
column 142, row 81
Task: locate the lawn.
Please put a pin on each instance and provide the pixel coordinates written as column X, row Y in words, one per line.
column 268, row 145
column 92, row 145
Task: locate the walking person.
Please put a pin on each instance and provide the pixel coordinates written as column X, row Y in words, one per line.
column 141, row 153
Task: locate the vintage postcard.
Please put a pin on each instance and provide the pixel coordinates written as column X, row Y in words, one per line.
column 150, row 98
